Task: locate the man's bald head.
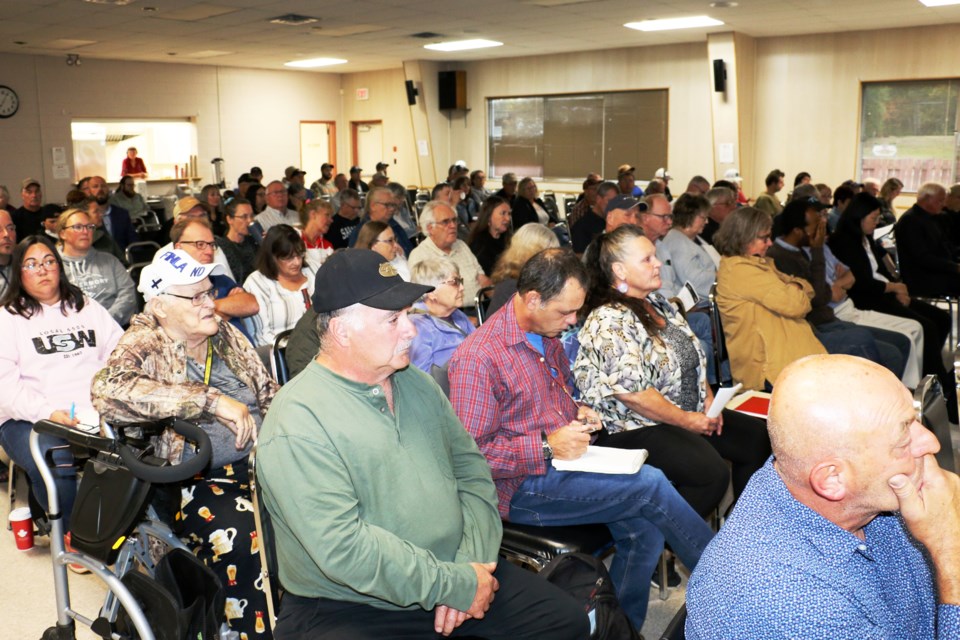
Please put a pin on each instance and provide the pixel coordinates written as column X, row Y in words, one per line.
column 828, row 406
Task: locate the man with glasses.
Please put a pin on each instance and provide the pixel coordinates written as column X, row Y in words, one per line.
column 381, row 206
column 239, row 245
column 276, row 211
column 8, row 240
column 658, row 217
column 439, row 221
column 194, row 236
column 346, row 218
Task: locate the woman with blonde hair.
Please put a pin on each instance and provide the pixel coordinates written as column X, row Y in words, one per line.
column 316, row 217
column 100, row 275
column 527, row 242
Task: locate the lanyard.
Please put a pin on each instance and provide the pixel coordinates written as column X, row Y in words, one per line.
column 209, row 364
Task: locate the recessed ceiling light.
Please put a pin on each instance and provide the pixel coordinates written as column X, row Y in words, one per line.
column 723, row 4
column 313, row 63
column 667, row 24
column 938, row 3
column 462, row 45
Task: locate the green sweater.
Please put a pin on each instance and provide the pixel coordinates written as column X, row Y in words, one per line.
column 373, row 507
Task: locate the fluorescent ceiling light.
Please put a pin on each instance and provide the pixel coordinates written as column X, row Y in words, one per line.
column 938, row 3
column 314, row 62
column 462, row 45
column 674, row 23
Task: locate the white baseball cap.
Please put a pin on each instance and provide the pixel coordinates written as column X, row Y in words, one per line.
column 172, row 267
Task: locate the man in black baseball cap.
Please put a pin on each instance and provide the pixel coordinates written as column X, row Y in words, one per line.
column 385, row 512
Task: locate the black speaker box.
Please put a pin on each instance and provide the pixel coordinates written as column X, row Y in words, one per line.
column 452, row 90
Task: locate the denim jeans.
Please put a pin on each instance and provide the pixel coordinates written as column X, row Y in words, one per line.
column 641, row 510
column 15, row 440
column 838, row 336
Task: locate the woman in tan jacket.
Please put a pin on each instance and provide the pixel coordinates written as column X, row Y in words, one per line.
column 763, row 310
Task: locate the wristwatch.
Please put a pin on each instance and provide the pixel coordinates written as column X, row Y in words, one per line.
column 547, row 449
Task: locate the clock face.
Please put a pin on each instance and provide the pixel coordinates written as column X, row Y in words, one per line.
column 9, row 102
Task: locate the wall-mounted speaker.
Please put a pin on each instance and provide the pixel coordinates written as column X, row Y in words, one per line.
column 719, row 76
column 412, row 93
column 452, row 90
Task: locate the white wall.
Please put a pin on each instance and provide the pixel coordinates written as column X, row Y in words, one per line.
column 245, row 116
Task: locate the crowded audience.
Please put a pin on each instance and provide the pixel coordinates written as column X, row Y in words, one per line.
column 377, row 286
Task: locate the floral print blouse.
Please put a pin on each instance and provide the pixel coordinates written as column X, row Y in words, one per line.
column 617, row 356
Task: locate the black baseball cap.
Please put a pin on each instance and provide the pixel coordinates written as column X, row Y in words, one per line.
column 625, row 202
column 364, row 276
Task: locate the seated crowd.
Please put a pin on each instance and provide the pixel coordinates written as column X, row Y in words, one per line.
column 409, row 431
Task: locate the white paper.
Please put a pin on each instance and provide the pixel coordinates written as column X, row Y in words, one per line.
column 422, row 148
column 61, row 172
column 880, row 232
column 688, row 296
column 89, row 421
column 59, row 155
column 722, row 397
column 605, row 460
column 725, row 152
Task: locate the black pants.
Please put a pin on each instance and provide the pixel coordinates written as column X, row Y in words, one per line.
column 526, row 606
column 695, row 464
column 936, row 327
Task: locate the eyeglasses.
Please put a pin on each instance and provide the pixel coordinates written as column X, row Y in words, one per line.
column 276, row 192
column 454, row 282
column 392, row 240
column 246, row 216
column 203, row 245
column 387, row 205
column 196, row 299
column 446, row 222
column 291, row 258
column 49, row 264
column 663, row 216
column 82, row 227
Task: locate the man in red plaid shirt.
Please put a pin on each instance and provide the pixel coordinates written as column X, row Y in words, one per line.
column 511, row 386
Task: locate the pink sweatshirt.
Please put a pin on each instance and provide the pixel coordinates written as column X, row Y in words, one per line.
column 48, row 361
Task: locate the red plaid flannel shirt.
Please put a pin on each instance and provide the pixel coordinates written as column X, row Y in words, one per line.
column 503, row 391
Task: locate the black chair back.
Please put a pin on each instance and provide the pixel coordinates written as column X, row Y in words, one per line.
column 280, row 370
column 719, row 340
column 482, row 303
column 931, row 408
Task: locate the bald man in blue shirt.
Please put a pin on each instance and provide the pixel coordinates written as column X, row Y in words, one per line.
column 851, row 530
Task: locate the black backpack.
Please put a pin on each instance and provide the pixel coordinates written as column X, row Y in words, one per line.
column 586, row 579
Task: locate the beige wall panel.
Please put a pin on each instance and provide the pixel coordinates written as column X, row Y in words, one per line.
column 808, row 94
column 388, row 103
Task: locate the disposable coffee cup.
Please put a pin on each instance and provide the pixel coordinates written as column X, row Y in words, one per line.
column 22, row 526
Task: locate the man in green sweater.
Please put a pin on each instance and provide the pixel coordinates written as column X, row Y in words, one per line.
column 384, row 510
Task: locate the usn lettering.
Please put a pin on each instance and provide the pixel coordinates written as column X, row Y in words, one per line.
column 65, row 342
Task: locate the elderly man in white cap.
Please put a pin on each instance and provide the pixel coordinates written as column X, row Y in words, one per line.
column 180, row 359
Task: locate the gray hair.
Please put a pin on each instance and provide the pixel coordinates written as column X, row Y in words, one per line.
column 930, row 190
column 428, row 215
column 323, row 320
column 721, row 194
column 5, row 191
column 433, row 271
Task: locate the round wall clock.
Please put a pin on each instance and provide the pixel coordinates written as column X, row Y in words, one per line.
column 9, row 102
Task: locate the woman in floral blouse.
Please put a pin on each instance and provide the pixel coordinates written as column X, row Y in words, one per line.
column 642, row 369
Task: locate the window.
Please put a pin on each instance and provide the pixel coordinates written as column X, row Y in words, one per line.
column 568, row 136
column 168, row 147
column 908, row 131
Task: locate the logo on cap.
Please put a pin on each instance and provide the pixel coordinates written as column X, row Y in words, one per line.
column 387, row 270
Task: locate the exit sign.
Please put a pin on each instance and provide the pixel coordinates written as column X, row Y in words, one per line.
column 363, row 94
